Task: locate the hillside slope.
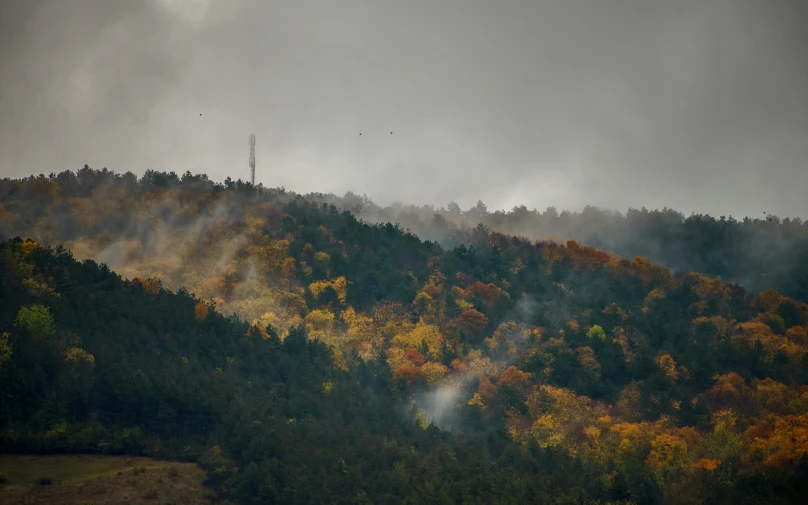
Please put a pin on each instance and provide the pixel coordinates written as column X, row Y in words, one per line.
column 552, row 371
column 758, row 252
column 94, row 363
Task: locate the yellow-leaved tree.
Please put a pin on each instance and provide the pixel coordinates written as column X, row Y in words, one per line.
column 360, row 333
column 422, row 334
column 340, row 285
column 320, row 325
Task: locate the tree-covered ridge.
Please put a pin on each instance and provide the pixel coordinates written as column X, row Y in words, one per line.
column 758, row 252
column 92, row 362
column 647, row 382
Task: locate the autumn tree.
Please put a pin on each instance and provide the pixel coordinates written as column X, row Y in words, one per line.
column 728, row 392
column 201, row 311
column 150, row 286
column 667, row 365
column 408, row 372
column 434, row 372
column 515, row 378
column 509, row 337
column 472, row 322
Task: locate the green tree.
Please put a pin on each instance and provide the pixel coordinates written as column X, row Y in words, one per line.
column 597, row 332
column 36, row 320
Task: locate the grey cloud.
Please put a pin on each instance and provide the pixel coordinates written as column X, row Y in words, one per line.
column 692, row 105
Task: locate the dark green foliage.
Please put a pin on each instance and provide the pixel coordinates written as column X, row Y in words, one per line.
column 162, row 385
column 254, row 412
column 789, row 313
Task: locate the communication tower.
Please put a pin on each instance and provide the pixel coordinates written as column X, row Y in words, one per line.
column 252, row 159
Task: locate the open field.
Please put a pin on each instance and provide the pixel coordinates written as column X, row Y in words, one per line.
column 97, row 480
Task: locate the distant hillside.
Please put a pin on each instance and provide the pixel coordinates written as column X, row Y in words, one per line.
column 367, row 365
column 759, row 253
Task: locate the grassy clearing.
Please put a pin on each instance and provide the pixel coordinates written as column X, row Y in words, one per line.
column 100, row 480
column 69, row 468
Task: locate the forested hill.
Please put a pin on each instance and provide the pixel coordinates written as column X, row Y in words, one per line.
column 364, row 365
column 758, row 252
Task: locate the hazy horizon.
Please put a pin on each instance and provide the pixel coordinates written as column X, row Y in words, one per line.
column 699, row 107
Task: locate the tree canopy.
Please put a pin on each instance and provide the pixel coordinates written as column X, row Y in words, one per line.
column 302, row 355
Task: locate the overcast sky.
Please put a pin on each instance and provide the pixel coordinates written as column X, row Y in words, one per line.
column 697, row 105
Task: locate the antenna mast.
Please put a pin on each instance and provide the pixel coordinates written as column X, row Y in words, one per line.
column 252, row 159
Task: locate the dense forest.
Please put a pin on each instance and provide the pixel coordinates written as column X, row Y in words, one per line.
column 762, row 252
column 757, row 252
column 302, row 355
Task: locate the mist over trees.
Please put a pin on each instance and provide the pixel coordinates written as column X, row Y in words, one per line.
column 301, row 354
column 759, row 252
